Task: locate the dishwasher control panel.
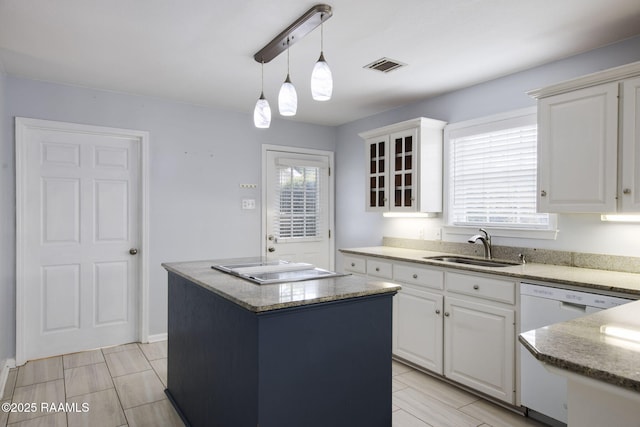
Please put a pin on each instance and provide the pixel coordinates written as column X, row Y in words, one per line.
column 571, row 296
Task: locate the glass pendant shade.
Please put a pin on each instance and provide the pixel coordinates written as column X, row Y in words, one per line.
column 321, row 80
column 287, row 98
column 262, row 113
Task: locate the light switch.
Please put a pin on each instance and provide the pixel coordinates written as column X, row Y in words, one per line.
column 248, row 203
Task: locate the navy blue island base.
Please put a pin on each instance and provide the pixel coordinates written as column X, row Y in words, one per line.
column 323, row 364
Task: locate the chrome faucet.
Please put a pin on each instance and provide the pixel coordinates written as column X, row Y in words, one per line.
column 486, row 242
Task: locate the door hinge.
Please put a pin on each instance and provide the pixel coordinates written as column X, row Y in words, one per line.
column 329, row 233
column 329, row 171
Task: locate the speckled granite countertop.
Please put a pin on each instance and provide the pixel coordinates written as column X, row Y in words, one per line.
column 262, row 298
column 579, row 346
column 612, row 281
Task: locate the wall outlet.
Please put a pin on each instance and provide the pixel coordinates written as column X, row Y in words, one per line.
column 248, row 203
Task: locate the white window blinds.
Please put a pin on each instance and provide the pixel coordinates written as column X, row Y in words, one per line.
column 299, row 194
column 492, row 170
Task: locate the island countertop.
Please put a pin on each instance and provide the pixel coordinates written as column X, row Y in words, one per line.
column 582, row 346
column 267, row 297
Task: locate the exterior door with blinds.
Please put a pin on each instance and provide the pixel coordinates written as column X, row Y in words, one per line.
column 297, row 208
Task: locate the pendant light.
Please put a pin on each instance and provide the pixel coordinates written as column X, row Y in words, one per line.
column 262, row 112
column 287, row 98
column 321, row 79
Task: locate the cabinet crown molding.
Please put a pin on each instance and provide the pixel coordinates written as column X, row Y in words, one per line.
column 600, row 77
column 422, row 122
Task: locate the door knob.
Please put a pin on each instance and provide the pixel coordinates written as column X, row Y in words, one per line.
column 271, row 249
column 133, row 251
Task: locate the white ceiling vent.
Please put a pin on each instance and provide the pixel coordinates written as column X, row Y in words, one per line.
column 385, row 65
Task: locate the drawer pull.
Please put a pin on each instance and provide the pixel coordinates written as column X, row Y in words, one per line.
column 377, row 268
column 415, row 276
column 437, row 311
column 446, row 313
column 476, row 287
column 353, row 264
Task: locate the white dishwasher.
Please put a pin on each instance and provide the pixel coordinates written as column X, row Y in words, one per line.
column 542, row 391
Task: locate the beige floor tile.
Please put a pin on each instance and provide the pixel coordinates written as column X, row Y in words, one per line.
column 126, row 362
column 50, row 392
column 157, row 414
column 398, row 368
column 160, row 366
column 397, row 385
column 40, row 371
column 117, row 348
column 155, row 350
column 10, row 384
column 497, row 416
column 404, row 419
column 104, row 410
column 139, row 388
column 58, row 419
column 4, row 416
column 87, row 379
column 432, row 411
column 82, row 359
column 437, row 389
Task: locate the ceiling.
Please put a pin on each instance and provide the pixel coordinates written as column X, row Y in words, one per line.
column 201, row 51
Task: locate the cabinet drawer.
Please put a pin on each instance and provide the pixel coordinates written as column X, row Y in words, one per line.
column 418, row 275
column 381, row 269
column 355, row 264
column 482, row 287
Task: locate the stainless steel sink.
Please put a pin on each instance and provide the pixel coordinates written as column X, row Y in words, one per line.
column 471, row 261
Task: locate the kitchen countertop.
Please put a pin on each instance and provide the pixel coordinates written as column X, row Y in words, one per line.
column 262, row 298
column 604, row 280
column 579, row 346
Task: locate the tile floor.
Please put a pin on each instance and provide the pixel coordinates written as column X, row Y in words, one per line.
column 124, row 386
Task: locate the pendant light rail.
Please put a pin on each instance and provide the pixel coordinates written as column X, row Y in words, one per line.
column 302, row 26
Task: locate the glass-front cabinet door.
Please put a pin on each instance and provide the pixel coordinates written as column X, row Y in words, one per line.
column 403, row 170
column 377, row 171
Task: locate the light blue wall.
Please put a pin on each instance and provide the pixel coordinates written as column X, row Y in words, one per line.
column 583, row 233
column 198, row 159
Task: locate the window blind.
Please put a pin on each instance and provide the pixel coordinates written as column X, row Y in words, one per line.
column 299, row 194
column 493, row 175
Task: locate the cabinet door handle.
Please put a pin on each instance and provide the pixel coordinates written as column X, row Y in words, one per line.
column 476, row 287
column 626, row 191
column 543, row 193
column 437, row 311
column 415, row 276
column 446, row 313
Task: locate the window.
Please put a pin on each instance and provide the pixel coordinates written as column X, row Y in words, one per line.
column 492, row 172
column 298, row 208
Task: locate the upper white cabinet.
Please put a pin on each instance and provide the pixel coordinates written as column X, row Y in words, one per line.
column 588, row 143
column 630, row 155
column 404, row 166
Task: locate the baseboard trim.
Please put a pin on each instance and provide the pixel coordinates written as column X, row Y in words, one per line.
column 4, row 374
column 157, row 337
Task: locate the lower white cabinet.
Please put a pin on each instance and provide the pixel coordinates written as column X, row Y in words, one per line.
column 457, row 324
column 417, row 327
column 479, row 344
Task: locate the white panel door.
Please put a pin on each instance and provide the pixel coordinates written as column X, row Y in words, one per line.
column 79, row 239
column 298, row 208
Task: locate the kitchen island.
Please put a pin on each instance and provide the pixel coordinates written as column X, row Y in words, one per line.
column 599, row 354
column 308, row 353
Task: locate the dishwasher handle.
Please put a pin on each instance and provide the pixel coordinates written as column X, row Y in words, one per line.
column 572, row 306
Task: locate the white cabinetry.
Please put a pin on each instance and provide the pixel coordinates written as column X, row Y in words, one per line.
column 630, row 198
column 417, row 316
column 404, row 166
column 479, row 334
column 460, row 325
column 588, row 142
